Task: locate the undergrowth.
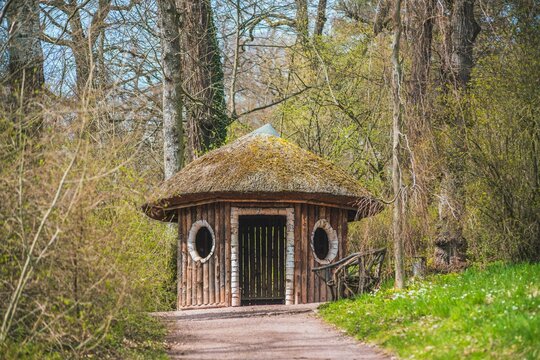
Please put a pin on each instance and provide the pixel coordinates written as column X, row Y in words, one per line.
column 133, row 336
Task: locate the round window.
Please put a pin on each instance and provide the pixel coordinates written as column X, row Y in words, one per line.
column 324, row 242
column 201, row 241
column 321, row 245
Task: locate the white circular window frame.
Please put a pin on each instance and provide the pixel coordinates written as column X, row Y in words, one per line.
column 332, row 241
column 197, row 225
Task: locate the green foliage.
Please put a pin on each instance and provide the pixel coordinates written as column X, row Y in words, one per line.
column 504, row 149
column 343, row 117
column 149, row 257
column 481, row 313
column 96, row 263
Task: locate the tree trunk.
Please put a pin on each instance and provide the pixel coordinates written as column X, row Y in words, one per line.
column 450, row 244
column 382, row 17
column 397, row 224
column 420, row 31
column 81, row 50
column 25, row 54
column 464, row 30
column 302, row 21
column 321, row 18
column 83, row 41
column 173, row 128
column 204, row 99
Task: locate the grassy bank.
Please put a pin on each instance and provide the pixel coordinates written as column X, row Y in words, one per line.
column 481, row 313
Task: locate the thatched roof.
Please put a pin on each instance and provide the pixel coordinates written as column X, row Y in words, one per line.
column 259, row 166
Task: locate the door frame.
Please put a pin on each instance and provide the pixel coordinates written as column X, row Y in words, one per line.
column 289, row 253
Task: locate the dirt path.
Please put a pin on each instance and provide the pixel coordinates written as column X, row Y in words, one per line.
column 259, row 332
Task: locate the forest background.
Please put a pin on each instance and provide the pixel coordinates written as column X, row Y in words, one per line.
column 432, row 105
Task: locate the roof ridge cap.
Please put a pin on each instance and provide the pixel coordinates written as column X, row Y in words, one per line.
column 266, row 129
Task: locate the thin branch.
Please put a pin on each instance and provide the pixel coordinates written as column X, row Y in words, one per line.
column 4, row 10
column 27, row 268
column 273, row 103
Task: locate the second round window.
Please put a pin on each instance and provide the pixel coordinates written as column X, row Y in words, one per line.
column 201, row 241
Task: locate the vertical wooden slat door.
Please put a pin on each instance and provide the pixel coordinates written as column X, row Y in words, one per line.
column 262, row 259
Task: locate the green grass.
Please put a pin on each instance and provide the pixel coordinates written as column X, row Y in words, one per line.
column 480, row 313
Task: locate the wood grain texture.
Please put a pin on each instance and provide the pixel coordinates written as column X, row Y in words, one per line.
column 217, row 281
column 227, row 220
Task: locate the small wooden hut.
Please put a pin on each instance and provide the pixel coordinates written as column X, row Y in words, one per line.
column 254, row 217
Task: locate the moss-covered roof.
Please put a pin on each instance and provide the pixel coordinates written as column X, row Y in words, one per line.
column 258, row 166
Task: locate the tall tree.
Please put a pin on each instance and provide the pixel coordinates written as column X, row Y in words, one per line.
column 301, row 20
column 420, row 20
column 397, row 223
column 418, row 30
column 25, row 53
column 462, row 33
column 460, row 29
column 321, row 17
column 79, row 26
column 203, row 73
column 173, row 127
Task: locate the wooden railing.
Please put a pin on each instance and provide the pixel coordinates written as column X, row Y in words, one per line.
column 355, row 274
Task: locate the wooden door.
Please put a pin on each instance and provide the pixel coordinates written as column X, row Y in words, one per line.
column 262, row 241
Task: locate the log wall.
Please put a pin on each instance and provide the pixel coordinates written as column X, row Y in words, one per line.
column 204, row 284
column 209, row 284
column 308, row 287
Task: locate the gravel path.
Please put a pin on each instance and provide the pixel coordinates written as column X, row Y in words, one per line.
column 259, row 332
